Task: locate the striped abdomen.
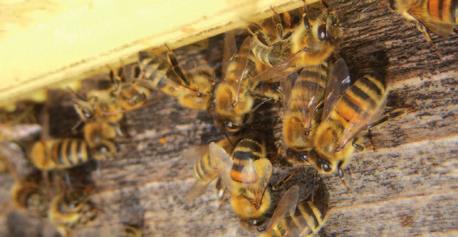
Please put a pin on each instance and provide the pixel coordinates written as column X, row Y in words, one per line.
column 307, row 220
column 306, row 93
column 445, row 11
column 245, row 153
column 60, row 153
column 308, row 88
column 359, row 104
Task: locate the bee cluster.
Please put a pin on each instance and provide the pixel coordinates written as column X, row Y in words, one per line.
column 283, row 96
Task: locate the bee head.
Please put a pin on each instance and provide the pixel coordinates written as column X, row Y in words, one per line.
column 321, row 164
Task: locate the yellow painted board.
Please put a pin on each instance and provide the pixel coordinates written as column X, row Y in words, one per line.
column 47, row 42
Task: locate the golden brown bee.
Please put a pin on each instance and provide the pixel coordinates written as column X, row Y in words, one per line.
column 206, row 170
column 246, row 174
column 68, row 211
column 235, row 96
column 192, row 88
column 66, row 153
column 309, row 40
column 29, row 196
column 347, row 111
column 294, row 218
column 438, row 16
column 303, row 95
column 99, row 104
column 97, row 133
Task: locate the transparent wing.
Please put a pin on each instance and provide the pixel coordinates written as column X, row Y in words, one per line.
column 197, row 189
column 286, row 206
column 263, row 173
column 339, row 80
column 276, row 73
column 223, row 163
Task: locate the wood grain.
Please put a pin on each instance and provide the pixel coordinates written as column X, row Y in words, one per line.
column 407, row 185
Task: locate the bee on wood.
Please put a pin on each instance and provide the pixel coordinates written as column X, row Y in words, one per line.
column 68, row 211
column 347, row 111
column 245, row 174
column 206, row 170
column 438, row 16
column 303, row 38
column 51, row 154
column 295, row 217
column 236, row 96
column 192, row 88
column 303, row 95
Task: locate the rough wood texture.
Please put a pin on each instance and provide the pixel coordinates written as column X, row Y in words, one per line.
column 407, row 186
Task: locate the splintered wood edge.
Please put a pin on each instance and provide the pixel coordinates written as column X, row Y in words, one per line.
column 46, row 52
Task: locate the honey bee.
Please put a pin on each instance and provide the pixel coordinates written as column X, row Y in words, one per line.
column 246, row 175
column 294, row 218
column 192, row 88
column 206, row 170
column 27, row 195
column 54, row 154
column 347, row 111
column 99, row 132
column 68, row 211
column 303, row 96
column 307, row 40
column 438, row 16
column 99, row 104
column 235, row 97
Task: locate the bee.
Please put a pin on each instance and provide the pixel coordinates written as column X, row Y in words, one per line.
column 235, row 97
column 68, row 211
column 100, row 132
column 192, row 88
column 303, row 96
column 297, row 218
column 65, row 153
column 99, row 104
column 438, row 16
column 306, row 40
column 27, row 195
column 246, row 174
column 206, row 170
column 347, row 111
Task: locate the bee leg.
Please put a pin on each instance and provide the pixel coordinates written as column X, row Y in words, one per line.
column 358, row 144
column 183, row 79
column 341, row 175
column 423, row 30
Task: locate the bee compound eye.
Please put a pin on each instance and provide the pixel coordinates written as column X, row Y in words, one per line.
column 322, row 32
column 325, row 165
column 303, row 156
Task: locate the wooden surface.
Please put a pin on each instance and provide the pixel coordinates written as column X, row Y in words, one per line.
column 407, row 186
column 49, row 42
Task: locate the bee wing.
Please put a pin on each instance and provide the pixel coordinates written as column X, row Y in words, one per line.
column 197, row 189
column 223, row 163
column 276, row 73
column 286, row 206
column 263, row 172
column 338, row 81
column 18, row 131
column 440, row 28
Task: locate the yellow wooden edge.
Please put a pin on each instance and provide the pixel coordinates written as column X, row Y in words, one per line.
column 47, row 43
